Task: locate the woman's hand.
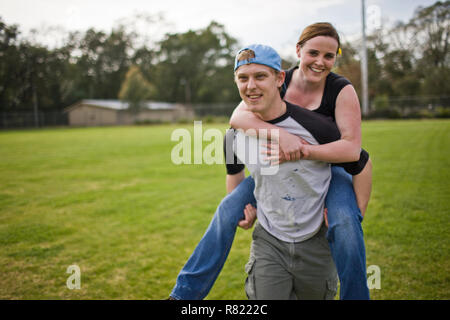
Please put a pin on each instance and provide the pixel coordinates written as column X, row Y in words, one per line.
column 285, row 147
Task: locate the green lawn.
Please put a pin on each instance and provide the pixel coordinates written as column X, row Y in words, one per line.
column 111, row 201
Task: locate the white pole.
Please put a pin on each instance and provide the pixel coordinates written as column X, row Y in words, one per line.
column 364, row 68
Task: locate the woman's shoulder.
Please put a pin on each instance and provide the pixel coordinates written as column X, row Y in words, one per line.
column 335, row 80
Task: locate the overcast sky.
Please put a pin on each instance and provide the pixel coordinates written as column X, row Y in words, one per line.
column 277, row 23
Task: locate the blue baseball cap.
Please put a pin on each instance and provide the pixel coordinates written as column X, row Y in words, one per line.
column 264, row 55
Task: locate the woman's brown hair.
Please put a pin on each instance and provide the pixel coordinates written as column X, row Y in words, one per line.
column 319, row 29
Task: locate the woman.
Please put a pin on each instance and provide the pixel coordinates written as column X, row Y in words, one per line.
column 313, row 86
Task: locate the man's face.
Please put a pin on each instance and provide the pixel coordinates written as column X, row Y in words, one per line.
column 258, row 86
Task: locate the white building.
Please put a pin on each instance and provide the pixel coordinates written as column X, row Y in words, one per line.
column 115, row 112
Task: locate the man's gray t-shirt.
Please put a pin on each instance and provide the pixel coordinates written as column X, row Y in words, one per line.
column 290, row 198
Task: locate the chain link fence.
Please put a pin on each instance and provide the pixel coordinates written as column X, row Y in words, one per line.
column 380, row 107
column 410, row 107
column 29, row 119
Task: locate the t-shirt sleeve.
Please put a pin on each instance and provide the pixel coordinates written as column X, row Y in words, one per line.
column 322, row 128
column 232, row 163
column 334, row 87
column 356, row 167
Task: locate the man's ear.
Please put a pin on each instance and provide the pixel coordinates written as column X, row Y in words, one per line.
column 281, row 77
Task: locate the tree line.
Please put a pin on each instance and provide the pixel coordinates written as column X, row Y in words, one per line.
column 409, row 63
column 407, row 60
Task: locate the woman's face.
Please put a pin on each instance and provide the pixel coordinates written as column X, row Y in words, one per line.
column 317, row 57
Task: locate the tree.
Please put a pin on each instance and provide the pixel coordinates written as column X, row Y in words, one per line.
column 348, row 66
column 418, row 60
column 431, row 27
column 135, row 89
column 195, row 66
column 31, row 75
column 103, row 63
column 9, row 62
column 407, row 60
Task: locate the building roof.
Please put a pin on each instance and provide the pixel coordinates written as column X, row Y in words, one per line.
column 121, row 105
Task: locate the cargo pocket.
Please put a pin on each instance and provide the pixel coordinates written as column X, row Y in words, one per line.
column 250, row 281
column 331, row 289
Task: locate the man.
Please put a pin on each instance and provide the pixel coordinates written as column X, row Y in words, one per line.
column 290, row 257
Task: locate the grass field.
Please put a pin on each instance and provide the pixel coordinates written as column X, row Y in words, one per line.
column 111, row 201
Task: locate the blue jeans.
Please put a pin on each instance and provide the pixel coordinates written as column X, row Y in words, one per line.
column 345, row 237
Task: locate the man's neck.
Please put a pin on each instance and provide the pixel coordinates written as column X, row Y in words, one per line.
column 277, row 110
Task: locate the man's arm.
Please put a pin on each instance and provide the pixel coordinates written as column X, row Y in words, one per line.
column 235, row 175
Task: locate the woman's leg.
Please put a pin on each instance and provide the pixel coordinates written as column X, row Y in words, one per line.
column 204, row 265
column 345, row 236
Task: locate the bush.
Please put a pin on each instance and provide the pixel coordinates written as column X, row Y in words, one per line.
column 397, row 113
column 442, row 112
column 150, row 122
column 215, row 119
column 183, row 121
column 381, row 102
column 392, row 113
column 420, row 114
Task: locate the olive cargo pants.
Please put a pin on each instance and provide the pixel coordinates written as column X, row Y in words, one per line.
column 279, row 270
